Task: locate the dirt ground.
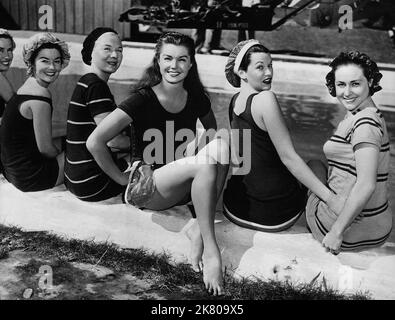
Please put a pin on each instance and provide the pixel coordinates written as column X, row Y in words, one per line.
column 25, row 276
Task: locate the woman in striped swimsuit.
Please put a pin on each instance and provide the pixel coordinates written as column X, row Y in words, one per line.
column 90, row 103
column 358, row 156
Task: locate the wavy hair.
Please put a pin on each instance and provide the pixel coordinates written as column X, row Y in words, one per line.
column 369, row 67
column 152, row 76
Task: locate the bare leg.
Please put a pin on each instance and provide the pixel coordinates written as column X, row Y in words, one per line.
column 173, row 181
column 204, row 198
column 218, row 149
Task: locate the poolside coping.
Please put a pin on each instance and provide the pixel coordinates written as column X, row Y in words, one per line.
column 291, row 255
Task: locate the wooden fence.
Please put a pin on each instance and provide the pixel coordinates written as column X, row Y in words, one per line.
column 70, row 16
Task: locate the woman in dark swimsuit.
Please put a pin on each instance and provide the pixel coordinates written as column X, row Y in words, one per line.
column 7, row 46
column 32, row 161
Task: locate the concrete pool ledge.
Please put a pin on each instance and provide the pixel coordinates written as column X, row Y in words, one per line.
column 290, row 255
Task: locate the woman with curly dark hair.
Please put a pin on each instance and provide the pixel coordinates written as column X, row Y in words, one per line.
column 358, row 155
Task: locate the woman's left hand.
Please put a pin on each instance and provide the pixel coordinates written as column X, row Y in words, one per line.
column 332, row 242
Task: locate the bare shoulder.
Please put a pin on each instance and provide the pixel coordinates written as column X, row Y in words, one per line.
column 31, row 87
column 266, row 97
column 266, row 102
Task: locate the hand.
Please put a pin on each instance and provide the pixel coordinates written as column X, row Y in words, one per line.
column 332, row 242
column 336, row 202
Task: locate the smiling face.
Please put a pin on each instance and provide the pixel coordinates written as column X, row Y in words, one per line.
column 174, row 63
column 47, row 66
column 352, row 87
column 6, row 54
column 107, row 54
column 259, row 73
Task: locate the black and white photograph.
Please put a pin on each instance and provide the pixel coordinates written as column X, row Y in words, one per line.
column 205, row 156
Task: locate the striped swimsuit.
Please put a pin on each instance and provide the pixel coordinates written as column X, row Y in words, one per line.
column 373, row 225
column 83, row 177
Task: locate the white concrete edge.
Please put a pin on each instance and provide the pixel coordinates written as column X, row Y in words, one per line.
column 292, row 255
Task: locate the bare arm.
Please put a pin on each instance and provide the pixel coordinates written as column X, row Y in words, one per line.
column 42, row 124
column 366, row 157
column 108, row 128
column 119, row 142
column 270, row 114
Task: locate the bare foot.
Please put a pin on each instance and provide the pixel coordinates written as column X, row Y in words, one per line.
column 196, row 249
column 212, row 274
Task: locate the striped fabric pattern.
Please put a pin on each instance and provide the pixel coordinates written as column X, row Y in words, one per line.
column 373, row 225
column 91, row 97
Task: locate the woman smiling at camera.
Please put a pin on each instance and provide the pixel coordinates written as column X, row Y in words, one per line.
column 90, row 103
column 358, row 156
column 171, row 93
column 32, row 160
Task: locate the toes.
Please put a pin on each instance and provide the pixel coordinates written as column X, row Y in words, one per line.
column 196, row 268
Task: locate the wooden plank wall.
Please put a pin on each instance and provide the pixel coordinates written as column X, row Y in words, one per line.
column 71, row 16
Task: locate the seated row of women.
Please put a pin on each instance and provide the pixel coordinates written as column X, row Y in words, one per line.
column 105, row 151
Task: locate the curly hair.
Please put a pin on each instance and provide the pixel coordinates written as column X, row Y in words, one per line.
column 44, row 40
column 152, row 75
column 369, row 67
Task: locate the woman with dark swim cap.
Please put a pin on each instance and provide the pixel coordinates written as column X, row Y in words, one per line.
column 32, row 159
column 90, row 103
